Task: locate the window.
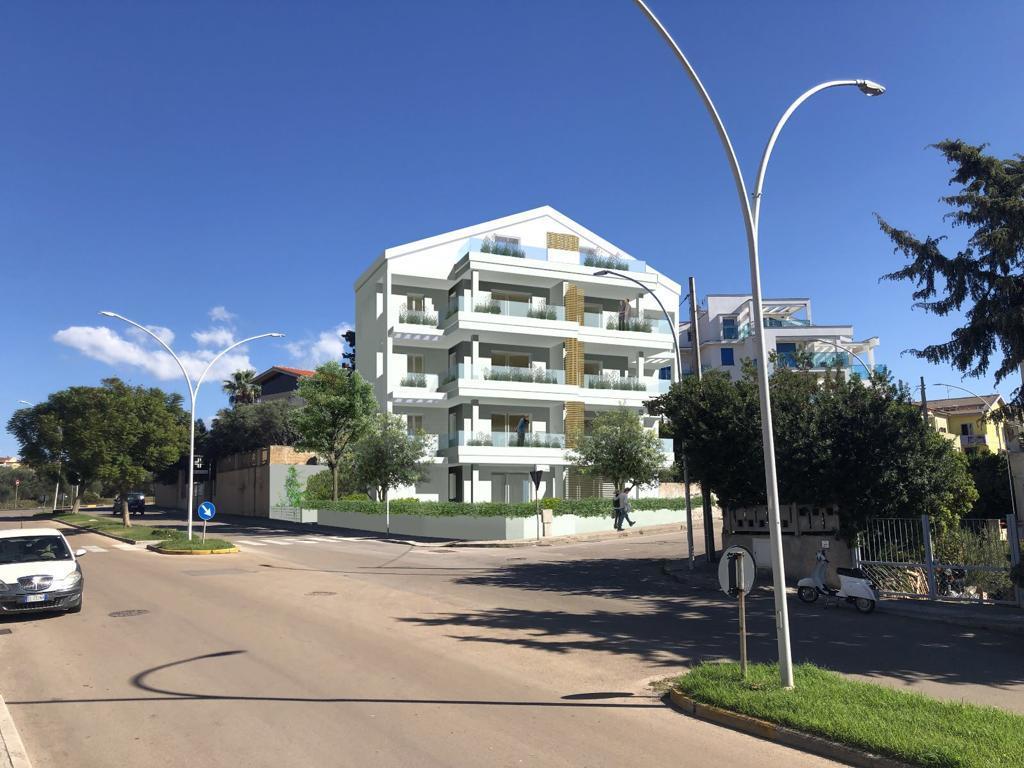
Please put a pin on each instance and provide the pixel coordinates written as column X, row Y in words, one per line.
column 666, row 372
column 414, row 422
column 508, row 242
column 510, row 359
column 728, row 357
column 593, row 367
column 729, row 328
column 966, row 429
column 689, row 336
column 414, row 363
column 415, row 303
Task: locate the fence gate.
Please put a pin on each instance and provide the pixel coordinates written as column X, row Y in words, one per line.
column 913, row 557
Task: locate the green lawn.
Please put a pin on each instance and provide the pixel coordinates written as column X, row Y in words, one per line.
column 905, row 726
column 181, row 542
column 112, row 524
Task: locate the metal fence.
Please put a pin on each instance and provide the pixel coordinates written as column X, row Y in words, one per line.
column 914, row 557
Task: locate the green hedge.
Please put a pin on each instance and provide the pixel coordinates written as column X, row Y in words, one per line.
column 579, row 507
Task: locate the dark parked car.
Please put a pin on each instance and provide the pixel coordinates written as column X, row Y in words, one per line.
column 136, row 503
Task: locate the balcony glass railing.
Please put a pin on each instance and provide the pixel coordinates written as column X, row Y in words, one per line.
column 487, row 305
column 520, row 375
column 785, row 322
column 613, row 381
column 519, row 251
column 417, row 317
column 428, row 381
column 503, row 440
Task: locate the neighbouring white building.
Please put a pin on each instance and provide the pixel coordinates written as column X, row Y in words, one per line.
column 726, row 338
column 468, row 333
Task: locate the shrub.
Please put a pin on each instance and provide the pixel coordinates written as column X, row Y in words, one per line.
column 414, row 380
column 615, row 382
column 416, row 316
column 525, row 375
column 633, row 324
column 490, row 307
column 592, row 507
column 602, row 261
column 542, row 312
column 489, row 245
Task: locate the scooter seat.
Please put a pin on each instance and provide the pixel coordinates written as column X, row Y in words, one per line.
column 855, row 573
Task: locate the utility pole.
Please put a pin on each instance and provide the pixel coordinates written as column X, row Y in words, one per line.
column 705, row 496
column 924, row 402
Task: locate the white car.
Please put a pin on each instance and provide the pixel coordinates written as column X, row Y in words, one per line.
column 39, row 572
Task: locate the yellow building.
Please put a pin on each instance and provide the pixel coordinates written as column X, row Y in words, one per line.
column 962, row 420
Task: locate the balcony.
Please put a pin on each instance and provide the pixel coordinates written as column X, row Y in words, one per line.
column 973, row 441
column 612, row 322
column 504, row 440
column 619, row 381
column 417, row 317
column 595, row 260
column 504, row 373
column 427, row 381
column 487, row 305
column 786, row 322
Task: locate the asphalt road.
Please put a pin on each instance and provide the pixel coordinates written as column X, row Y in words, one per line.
column 315, row 650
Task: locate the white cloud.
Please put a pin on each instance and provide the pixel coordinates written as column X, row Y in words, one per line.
column 220, row 314
column 164, row 334
column 214, row 337
column 103, row 344
column 327, row 346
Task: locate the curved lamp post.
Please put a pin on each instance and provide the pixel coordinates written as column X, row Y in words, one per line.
column 193, row 391
column 750, row 223
column 1006, row 441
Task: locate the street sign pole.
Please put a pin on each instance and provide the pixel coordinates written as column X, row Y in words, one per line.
column 537, row 475
column 204, row 541
column 743, row 616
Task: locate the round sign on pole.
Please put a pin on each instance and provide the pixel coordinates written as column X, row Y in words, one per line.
column 207, row 510
column 726, row 575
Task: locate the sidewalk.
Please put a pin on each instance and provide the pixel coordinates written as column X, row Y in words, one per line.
column 1006, row 619
column 549, row 541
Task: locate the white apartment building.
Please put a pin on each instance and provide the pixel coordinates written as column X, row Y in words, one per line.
column 726, row 339
column 468, row 333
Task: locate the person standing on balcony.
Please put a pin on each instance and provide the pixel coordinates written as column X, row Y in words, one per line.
column 521, row 427
column 625, row 312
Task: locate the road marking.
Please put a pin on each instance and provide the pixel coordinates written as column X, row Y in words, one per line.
column 124, row 545
column 254, row 543
column 280, row 543
column 93, row 548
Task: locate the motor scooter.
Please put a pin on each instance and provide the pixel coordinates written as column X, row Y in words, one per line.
column 854, row 586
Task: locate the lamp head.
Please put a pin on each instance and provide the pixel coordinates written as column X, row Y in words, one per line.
column 276, row 335
column 601, row 273
column 108, row 314
column 870, row 87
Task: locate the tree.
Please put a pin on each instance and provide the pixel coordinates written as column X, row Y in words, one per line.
column 338, row 406
column 387, row 456
column 115, row 433
column 988, row 471
column 247, row 427
column 986, row 276
column 241, row 387
column 32, row 485
column 619, row 450
column 860, row 446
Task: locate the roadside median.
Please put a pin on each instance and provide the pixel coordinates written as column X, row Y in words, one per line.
column 162, row 540
column 854, row 722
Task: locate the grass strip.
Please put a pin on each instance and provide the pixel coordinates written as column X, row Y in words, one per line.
column 905, row 726
column 171, row 538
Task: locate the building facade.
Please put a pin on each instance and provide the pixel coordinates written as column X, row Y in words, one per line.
column 280, row 383
column 964, row 421
column 726, row 338
column 501, row 342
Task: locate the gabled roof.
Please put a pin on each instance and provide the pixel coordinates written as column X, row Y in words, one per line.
column 487, row 227
column 964, row 404
column 282, row 369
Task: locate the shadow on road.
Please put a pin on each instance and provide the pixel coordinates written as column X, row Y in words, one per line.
column 668, row 624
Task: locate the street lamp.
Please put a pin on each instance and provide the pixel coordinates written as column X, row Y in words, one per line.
column 674, row 330
column 750, row 222
column 1006, row 441
column 193, row 391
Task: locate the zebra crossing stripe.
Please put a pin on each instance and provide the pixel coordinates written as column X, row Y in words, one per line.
column 93, row 548
column 280, row 543
column 125, row 545
column 254, row 543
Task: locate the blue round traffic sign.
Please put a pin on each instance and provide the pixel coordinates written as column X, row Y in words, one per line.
column 207, row 510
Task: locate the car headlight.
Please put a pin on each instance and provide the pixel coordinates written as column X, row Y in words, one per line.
column 68, row 581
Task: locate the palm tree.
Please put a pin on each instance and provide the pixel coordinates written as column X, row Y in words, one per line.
column 241, row 388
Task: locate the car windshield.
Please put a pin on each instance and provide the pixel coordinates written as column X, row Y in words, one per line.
column 33, row 549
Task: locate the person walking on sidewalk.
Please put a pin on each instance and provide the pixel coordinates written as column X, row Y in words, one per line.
column 623, row 508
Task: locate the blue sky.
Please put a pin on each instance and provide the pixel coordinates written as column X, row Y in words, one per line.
column 230, row 168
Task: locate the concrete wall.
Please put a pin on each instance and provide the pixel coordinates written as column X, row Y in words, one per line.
column 466, row 528
column 798, row 553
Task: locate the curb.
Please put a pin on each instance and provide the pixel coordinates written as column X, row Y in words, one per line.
column 780, row 734
column 579, row 538
column 12, row 751
column 98, row 533
column 162, row 551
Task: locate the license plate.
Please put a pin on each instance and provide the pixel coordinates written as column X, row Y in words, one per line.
column 33, row 599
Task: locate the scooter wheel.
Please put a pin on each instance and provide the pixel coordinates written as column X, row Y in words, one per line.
column 864, row 604
column 807, row 594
